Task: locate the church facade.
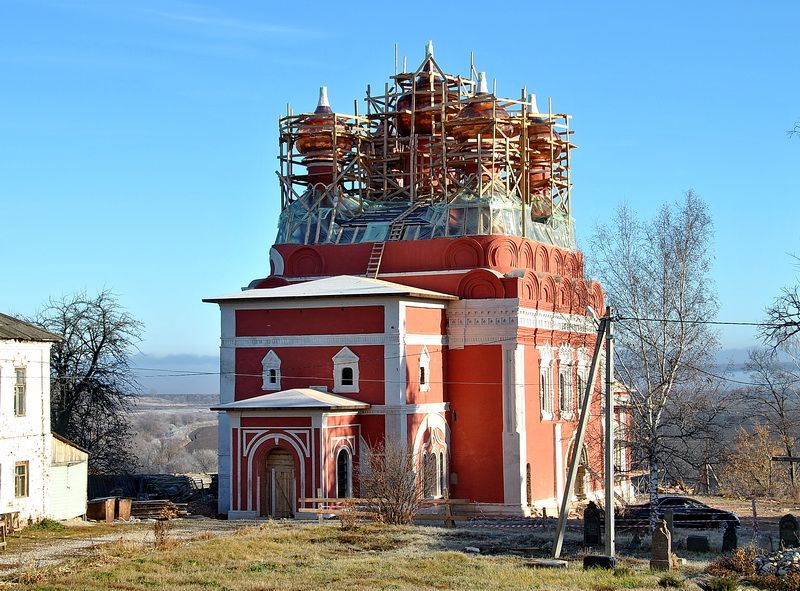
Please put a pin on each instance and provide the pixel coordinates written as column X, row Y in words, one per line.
column 424, row 291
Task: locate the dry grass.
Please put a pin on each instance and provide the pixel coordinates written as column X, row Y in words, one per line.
column 300, row 556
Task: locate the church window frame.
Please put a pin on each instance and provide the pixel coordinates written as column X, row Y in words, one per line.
column 271, row 371
column 345, row 371
column 424, row 370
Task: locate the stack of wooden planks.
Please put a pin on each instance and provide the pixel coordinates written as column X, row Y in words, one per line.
column 158, row 509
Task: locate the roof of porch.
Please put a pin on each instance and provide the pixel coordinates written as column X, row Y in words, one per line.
column 294, row 399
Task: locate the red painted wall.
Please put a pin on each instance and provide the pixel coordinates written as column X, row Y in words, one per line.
column 436, row 375
column 476, row 422
column 428, row 321
column 308, row 321
column 302, row 367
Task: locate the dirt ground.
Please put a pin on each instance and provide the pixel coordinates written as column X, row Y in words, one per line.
column 36, row 549
column 521, row 537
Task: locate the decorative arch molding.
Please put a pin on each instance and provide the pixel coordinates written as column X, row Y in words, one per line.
column 257, row 450
column 464, row 253
column 556, row 262
column 306, row 262
column 502, row 253
column 572, row 266
column 526, row 256
column 530, row 287
column 547, row 291
column 432, row 422
column 597, row 298
column 480, row 284
column 542, row 260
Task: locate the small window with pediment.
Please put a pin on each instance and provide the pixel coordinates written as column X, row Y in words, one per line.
column 345, row 371
column 271, row 371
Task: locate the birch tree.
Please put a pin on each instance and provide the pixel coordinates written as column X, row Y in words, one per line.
column 656, row 276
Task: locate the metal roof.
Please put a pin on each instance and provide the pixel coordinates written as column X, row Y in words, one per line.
column 296, row 398
column 340, row 286
column 13, row 329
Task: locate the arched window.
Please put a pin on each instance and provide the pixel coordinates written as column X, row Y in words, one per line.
column 345, row 371
column 344, row 474
column 271, row 371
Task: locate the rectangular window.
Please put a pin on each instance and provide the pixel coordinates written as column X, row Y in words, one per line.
column 21, row 479
column 19, row 392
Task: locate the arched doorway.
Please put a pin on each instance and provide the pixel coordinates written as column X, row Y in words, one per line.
column 277, row 485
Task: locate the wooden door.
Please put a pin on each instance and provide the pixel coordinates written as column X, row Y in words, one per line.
column 277, row 485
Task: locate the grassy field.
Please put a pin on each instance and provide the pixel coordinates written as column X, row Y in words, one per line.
column 289, row 555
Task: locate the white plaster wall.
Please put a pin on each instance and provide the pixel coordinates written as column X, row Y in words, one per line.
column 25, row 438
column 67, row 492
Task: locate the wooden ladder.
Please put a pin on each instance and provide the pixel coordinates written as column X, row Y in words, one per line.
column 376, row 256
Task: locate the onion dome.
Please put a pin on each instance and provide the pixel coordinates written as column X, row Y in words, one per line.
column 427, row 93
column 315, row 133
column 482, row 106
column 542, row 140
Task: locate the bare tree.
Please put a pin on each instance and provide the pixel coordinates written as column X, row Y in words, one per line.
column 748, row 469
column 774, row 400
column 92, row 382
column 656, row 275
column 388, row 477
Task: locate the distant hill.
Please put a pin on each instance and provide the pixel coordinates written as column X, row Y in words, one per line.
column 177, row 374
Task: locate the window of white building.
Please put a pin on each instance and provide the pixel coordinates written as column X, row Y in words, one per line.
column 271, row 365
column 19, row 391
column 345, row 371
column 21, row 479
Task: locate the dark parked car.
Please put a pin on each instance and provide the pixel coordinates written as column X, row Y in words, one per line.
column 686, row 513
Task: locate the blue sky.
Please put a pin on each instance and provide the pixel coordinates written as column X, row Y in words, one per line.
column 138, row 139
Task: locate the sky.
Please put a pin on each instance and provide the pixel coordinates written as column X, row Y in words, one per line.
column 138, row 140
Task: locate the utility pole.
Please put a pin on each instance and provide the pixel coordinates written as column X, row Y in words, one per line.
column 609, row 459
column 579, row 436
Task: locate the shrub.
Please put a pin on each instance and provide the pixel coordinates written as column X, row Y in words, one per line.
column 740, row 561
column 722, row 584
column 671, row 580
column 47, row 524
column 389, row 479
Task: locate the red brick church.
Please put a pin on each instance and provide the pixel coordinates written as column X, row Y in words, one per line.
column 425, row 289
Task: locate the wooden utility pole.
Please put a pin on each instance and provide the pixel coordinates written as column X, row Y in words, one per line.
column 578, row 445
column 609, row 455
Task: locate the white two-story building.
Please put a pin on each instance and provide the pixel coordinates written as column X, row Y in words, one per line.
column 41, row 475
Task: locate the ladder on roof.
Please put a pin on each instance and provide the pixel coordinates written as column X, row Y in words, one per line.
column 376, row 256
column 395, row 233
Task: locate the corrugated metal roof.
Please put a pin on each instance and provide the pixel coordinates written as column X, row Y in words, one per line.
column 296, row 398
column 16, row 330
column 340, row 286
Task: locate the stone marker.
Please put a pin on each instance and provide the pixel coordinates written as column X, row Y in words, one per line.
column 591, row 526
column 730, row 539
column 669, row 517
column 789, row 531
column 698, row 544
column 661, row 548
